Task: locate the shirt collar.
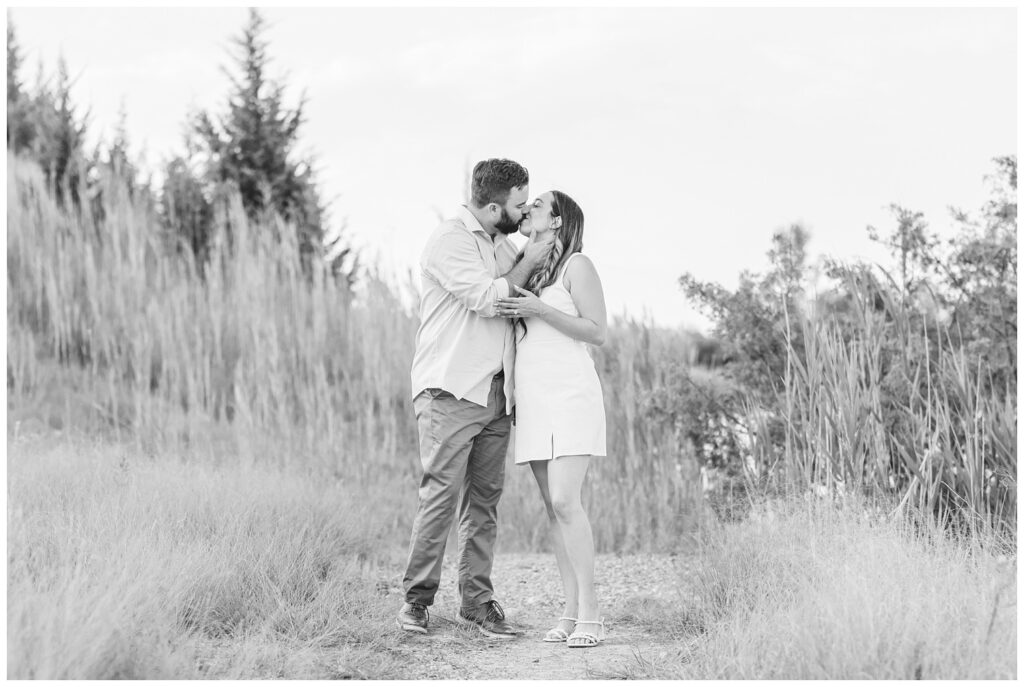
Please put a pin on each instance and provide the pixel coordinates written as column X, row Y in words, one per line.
column 473, row 225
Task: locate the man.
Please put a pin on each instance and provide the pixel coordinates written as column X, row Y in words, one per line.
column 462, row 392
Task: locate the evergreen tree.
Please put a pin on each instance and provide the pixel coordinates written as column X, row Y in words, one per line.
column 59, row 141
column 13, row 64
column 118, row 153
column 186, row 210
column 253, row 146
column 20, row 129
column 111, row 169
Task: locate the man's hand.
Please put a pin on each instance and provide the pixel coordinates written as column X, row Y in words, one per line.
column 535, row 252
column 538, row 249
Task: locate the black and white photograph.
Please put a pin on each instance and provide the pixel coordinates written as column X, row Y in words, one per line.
column 552, row 342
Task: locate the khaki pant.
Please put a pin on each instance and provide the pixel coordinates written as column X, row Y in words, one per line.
column 462, row 449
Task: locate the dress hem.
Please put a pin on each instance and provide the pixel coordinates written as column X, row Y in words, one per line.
column 560, row 455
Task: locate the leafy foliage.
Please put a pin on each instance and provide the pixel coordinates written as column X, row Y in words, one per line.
column 901, row 380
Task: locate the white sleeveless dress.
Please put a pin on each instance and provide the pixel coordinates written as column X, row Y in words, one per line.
column 559, row 404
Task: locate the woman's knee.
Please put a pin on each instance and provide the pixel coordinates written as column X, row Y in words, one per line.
column 565, row 506
column 565, row 484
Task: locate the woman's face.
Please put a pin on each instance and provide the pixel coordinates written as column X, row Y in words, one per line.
column 540, row 219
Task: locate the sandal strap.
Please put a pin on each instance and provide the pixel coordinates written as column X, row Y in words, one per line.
column 588, row 637
column 583, row 638
column 565, row 618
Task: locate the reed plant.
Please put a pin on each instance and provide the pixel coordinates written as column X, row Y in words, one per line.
column 255, row 358
column 252, row 457
column 892, row 407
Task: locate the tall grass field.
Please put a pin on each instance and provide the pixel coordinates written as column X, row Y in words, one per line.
column 822, row 590
column 208, row 470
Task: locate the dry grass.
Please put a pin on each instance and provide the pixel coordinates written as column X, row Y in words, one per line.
column 123, row 566
column 252, row 443
column 808, row 589
column 128, row 565
column 112, row 333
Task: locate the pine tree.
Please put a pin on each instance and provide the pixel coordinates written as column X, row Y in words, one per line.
column 20, row 129
column 253, row 146
column 186, row 211
column 59, row 139
column 13, row 64
column 119, row 152
column 111, row 168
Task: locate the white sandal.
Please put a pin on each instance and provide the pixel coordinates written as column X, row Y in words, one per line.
column 585, row 640
column 557, row 634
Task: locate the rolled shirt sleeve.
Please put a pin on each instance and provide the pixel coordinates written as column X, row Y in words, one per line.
column 463, row 274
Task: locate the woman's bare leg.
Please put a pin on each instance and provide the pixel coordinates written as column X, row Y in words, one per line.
column 569, row 586
column 565, row 486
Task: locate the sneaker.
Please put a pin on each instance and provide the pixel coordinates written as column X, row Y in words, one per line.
column 414, row 617
column 489, row 618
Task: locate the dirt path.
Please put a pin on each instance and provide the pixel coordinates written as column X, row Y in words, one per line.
column 633, row 590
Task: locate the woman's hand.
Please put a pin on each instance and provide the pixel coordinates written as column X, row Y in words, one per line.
column 526, row 305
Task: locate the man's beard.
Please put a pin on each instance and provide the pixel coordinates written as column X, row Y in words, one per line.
column 505, row 225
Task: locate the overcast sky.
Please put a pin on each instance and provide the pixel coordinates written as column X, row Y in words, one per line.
column 687, row 135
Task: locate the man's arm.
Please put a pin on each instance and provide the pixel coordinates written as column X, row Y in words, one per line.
column 518, row 275
column 454, row 262
column 533, row 254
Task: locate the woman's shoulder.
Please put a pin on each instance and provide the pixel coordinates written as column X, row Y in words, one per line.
column 578, row 265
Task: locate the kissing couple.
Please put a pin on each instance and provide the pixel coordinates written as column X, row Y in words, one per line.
column 502, row 339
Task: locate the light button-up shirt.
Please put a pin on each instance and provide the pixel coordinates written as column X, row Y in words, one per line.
column 460, row 343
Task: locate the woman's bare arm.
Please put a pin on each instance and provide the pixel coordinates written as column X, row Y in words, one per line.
column 585, row 288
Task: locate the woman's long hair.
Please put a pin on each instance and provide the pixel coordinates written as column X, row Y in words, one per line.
column 568, row 240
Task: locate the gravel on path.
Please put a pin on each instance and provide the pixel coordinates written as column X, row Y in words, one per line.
column 634, row 590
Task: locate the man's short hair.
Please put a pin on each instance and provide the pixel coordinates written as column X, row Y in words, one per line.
column 493, row 180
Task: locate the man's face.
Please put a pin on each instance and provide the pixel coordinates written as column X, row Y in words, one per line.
column 514, row 210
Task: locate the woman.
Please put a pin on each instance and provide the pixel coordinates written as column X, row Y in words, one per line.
column 560, row 422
